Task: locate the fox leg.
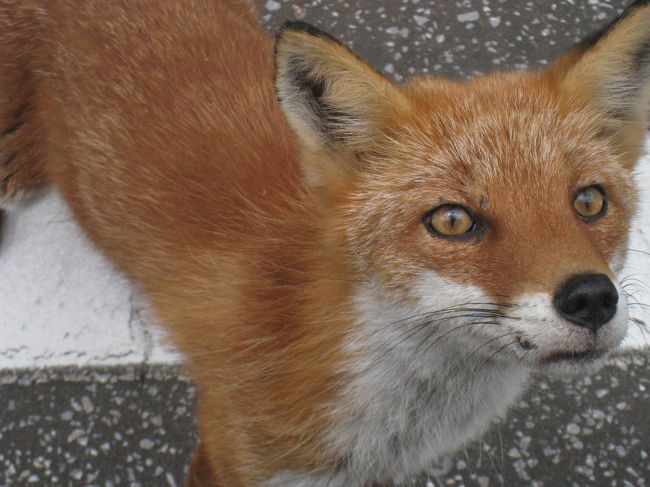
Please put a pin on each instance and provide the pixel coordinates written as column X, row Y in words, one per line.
column 21, row 166
column 201, row 473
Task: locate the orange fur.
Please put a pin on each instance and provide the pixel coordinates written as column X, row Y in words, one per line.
column 159, row 124
column 130, row 149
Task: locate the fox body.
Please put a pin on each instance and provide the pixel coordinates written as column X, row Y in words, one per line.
column 362, row 275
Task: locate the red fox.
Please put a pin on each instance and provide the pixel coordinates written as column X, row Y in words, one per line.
column 361, row 274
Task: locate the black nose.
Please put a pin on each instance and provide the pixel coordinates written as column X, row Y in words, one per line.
column 587, row 300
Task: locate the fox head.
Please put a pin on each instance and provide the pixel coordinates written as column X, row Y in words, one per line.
column 492, row 212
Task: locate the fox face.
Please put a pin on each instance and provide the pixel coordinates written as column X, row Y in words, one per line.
column 513, row 255
column 502, row 203
column 493, row 209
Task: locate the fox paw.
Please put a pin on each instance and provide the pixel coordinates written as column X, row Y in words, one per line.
column 10, row 184
column 20, row 174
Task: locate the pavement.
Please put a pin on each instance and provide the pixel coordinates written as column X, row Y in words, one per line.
column 92, row 395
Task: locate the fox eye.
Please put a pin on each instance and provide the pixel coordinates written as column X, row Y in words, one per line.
column 450, row 221
column 590, row 202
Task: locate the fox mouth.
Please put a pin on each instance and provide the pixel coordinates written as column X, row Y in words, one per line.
column 560, row 356
column 573, row 356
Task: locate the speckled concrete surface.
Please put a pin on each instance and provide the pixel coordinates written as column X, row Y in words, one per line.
column 107, row 427
column 101, row 429
column 458, row 38
column 131, row 424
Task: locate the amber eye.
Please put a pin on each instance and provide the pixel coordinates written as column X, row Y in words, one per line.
column 451, row 220
column 590, row 202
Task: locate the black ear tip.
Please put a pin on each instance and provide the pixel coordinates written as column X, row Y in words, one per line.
column 299, row 26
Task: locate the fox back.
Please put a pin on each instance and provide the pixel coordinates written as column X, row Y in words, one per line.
column 362, row 275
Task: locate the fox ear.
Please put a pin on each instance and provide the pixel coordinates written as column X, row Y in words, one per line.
column 610, row 71
column 335, row 102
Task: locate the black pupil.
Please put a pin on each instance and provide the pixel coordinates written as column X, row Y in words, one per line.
column 455, row 218
column 586, row 199
column 452, row 217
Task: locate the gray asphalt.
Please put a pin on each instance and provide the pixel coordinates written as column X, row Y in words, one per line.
column 133, row 426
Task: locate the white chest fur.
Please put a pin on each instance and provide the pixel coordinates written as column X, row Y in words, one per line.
column 404, row 414
column 399, row 427
column 407, row 404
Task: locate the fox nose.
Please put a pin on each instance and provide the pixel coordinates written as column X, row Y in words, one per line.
column 588, row 300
